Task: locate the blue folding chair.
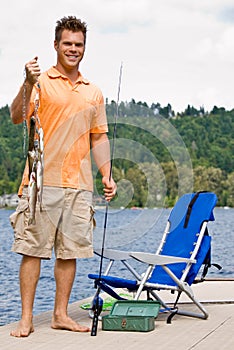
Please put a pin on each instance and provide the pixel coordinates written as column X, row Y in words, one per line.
column 184, row 248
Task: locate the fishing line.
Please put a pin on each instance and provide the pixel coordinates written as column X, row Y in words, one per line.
column 97, row 305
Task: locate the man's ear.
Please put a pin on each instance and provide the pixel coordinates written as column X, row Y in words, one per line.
column 56, row 45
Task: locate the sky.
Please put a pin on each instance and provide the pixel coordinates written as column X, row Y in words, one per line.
column 172, row 51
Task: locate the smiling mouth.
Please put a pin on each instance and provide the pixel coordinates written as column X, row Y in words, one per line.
column 72, row 57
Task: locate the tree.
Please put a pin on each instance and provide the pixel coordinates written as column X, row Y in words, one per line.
column 229, row 190
column 209, row 179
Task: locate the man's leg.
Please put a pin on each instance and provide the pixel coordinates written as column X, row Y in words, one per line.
column 29, row 275
column 64, row 272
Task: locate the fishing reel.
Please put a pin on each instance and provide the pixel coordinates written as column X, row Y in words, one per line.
column 97, row 306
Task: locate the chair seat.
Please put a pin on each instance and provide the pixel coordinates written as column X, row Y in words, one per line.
column 116, row 282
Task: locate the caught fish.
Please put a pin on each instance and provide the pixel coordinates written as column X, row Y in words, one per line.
column 40, row 165
column 31, row 152
column 32, row 197
column 39, row 182
column 35, row 160
column 36, row 166
column 41, row 141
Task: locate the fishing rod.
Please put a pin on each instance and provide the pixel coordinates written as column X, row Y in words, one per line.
column 97, row 304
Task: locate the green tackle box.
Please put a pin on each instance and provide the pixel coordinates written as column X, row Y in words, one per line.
column 131, row 315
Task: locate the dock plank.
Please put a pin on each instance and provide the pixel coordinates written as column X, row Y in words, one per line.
column 185, row 333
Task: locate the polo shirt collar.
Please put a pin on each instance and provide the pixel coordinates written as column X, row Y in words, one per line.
column 54, row 73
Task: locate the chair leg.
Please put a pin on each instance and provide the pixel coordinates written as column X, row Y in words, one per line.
column 175, row 310
column 177, row 299
column 173, row 313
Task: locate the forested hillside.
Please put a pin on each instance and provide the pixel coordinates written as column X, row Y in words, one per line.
column 11, row 153
column 155, row 150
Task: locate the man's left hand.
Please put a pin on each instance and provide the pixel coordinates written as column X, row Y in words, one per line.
column 110, row 188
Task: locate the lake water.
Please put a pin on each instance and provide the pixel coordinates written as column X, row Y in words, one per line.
column 135, row 230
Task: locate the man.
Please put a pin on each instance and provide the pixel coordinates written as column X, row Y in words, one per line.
column 72, row 115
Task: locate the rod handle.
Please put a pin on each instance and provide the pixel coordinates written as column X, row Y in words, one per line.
column 95, row 324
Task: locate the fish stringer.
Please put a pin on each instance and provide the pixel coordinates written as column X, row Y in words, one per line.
column 35, row 154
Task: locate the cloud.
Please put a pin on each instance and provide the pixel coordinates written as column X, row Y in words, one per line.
column 227, row 14
column 120, row 16
column 179, row 52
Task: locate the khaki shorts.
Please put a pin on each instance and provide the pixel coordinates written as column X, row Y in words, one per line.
column 65, row 223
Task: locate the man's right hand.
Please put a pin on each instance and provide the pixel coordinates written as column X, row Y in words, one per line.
column 33, row 71
column 22, row 100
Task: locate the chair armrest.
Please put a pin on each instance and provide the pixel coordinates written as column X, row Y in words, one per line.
column 113, row 254
column 153, row 259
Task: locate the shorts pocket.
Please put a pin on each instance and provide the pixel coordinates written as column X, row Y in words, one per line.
column 19, row 218
column 79, row 227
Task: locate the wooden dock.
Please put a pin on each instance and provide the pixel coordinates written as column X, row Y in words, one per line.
column 184, row 333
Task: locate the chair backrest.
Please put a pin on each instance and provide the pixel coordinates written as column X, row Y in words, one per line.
column 191, row 212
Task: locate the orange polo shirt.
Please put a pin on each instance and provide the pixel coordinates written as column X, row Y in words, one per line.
column 68, row 115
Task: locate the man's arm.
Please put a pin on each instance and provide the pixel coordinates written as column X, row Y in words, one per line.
column 32, row 70
column 101, row 153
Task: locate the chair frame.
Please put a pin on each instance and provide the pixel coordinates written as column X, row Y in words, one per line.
column 181, row 285
column 151, row 288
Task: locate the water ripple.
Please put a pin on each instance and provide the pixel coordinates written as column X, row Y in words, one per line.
column 10, row 309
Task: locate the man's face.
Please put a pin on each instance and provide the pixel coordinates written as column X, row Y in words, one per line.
column 70, row 49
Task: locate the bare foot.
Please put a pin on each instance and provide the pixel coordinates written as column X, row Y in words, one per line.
column 68, row 324
column 23, row 329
